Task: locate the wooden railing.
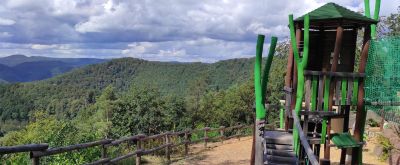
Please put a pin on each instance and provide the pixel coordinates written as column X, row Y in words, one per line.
column 38, row 151
column 304, row 142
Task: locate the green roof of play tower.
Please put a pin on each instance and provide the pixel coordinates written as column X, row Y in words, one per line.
column 332, row 11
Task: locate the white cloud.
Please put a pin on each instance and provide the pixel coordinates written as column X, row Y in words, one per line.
column 168, row 30
column 172, row 53
column 6, row 22
column 41, row 46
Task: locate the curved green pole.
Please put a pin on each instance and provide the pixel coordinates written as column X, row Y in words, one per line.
column 376, row 17
column 366, row 8
column 261, row 85
column 260, row 111
column 301, row 65
column 267, row 67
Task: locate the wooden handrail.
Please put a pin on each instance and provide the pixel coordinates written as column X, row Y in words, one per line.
column 303, row 139
column 334, row 74
column 40, row 150
column 125, row 139
column 23, row 148
column 58, row 150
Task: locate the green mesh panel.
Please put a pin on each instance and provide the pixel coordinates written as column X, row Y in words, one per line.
column 382, row 84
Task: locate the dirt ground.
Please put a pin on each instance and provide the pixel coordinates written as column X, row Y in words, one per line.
column 237, row 152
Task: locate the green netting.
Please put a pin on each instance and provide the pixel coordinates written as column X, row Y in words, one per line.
column 382, row 84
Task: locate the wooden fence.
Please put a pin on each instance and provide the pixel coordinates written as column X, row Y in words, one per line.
column 37, row 151
column 391, row 115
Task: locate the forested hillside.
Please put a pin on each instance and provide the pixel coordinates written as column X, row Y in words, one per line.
column 75, row 89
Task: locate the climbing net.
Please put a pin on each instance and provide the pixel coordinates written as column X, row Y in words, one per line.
column 382, row 83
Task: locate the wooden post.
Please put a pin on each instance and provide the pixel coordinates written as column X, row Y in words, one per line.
column 167, row 149
column 221, row 132
column 238, row 132
column 138, row 154
column 205, row 136
column 361, row 114
column 187, row 141
column 258, row 147
column 288, row 84
column 103, row 151
column 382, row 119
column 35, row 161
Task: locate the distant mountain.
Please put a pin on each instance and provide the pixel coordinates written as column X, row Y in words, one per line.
column 20, row 68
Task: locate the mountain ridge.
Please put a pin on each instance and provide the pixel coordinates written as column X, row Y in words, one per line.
column 21, row 68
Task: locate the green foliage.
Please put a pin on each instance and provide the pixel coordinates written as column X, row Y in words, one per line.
column 46, row 128
column 372, row 123
column 64, row 95
column 390, row 25
column 387, row 147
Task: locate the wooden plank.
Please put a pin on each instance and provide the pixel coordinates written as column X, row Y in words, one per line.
column 145, row 152
column 337, row 49
column 320, row 92
column 338, row 92
column 58, row 150
column 334, row 74
column 23, row 148
column 304, row 141
column 101, row 161
column 343, row 92
column 349, row 91
column 308, row 93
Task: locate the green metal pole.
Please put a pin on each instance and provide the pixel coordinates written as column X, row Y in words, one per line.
column 326, row 107
column 366, row 8
column 260, row 111
column 314, row 93
column 271, row 53
column 344, row 92
column 376, row 17
column 301, row 65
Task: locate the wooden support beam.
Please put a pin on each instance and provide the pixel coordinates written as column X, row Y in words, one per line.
column 23, row 148
column 335, row 60
column 361, row 114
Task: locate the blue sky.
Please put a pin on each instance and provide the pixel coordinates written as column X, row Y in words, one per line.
column 158, row 30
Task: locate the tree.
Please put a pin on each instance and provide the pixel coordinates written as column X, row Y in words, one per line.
column 139, row 111
column 390, row 25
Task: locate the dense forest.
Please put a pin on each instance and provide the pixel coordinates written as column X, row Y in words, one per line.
column 129, row 96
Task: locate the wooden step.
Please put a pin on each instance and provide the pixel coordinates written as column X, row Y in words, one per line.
column 283, row 153
column 279, row 146
column 278, row 137
column 269, row 159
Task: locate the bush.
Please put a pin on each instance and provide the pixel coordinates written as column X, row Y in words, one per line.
column 387, row 147
column 372, row 123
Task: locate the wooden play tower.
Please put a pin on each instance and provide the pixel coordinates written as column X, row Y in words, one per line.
column 324, row 82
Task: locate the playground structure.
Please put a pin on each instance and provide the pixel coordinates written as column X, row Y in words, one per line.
column 322, row 85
